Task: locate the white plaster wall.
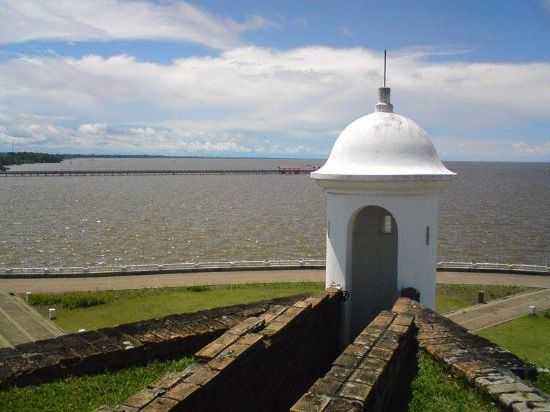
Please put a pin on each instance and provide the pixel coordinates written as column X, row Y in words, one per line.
column 412, row 211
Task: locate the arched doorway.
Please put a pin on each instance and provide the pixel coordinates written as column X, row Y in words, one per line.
column 373, row 265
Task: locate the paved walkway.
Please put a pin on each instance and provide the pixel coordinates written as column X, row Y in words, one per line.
column 485, row 278
column 19, row 323
column 493, row 313
column 162, row 280
column 224, row 278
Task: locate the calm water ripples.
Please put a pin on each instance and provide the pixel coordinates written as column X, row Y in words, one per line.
column 492, row 212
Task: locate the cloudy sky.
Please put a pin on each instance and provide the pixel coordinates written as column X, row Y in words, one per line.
column 280, row 78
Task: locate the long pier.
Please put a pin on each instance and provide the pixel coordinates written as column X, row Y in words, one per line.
column 60, row 173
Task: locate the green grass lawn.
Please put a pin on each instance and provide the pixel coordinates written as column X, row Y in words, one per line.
column 93, row 310
column 435, row 390
column 453, row 297
column 528, row 338
column 87, row 393
column 543, row 382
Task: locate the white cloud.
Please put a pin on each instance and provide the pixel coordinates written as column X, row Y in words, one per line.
column 263, row 100
column 476, row 148
column 170, row 140
column 92, row 128
column 147, row 131
column 532, row 149
column 69, row 20
column 94, row 137
column 30, row 133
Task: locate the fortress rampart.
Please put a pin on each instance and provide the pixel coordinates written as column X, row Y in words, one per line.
column 283, row 354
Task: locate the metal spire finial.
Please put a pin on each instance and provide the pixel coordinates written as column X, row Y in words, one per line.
column 384, row 104
column 384, row 67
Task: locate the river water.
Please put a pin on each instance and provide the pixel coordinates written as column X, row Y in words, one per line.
column 497, row 212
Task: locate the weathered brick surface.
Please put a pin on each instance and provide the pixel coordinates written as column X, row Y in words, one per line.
column 125, row 345
column 263, row 363
column 381, row 359
column 493, row 370
column 371, row 374
column 278, row 354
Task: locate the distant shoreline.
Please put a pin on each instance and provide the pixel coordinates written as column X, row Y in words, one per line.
column 69, row 156
column 21, row 158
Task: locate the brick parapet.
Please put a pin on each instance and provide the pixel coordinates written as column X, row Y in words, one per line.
column 121, row 346
column 276, row 354
column 372, row 374
column 494, row 371
column 263, row 363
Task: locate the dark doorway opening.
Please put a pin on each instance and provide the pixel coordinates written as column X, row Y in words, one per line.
column 373, row 265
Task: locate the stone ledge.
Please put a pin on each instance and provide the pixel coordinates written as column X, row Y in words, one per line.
column 124, row 345
column 364, row 366
column 494, row 371
column 253, row 363
column 367, row 372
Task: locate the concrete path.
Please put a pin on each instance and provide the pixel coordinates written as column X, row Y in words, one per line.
column 19, row 323
column 162, row 280
column 223, row 278
column 54, row 285
column 485, row 278
column 496, row 312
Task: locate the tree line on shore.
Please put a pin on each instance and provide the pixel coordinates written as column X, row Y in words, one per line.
column 13, row 158
column 18, row 158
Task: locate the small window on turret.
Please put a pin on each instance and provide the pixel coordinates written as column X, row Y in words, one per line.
column 386, row 224
column 427, row 235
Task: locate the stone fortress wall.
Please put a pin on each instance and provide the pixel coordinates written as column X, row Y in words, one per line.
column 375, row 371
column 108, row 349
column 264, row 363
column 282, row 355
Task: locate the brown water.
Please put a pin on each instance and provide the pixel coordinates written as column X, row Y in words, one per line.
column 492, row 212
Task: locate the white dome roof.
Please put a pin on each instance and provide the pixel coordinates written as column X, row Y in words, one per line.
column 382, row 146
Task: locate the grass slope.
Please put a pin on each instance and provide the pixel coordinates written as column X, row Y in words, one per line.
column 123, row 306
column 86, row 393
column 434, row 390
column 93, row 310
column 529, row 338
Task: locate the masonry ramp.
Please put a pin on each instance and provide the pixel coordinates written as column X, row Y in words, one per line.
column 494, row 313
column 20, row 323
